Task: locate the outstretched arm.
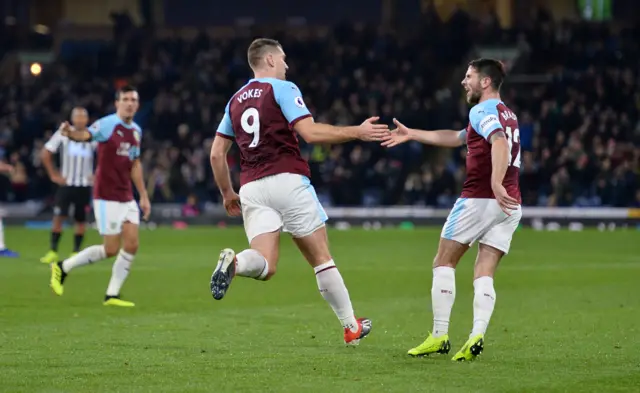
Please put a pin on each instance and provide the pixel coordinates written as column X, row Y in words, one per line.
column 313, row 132
column 4, row 167
column 83, row 135
column 289, row 98
column 445, row 138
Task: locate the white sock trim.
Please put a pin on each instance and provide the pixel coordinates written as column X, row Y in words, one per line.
column 265, row 271
column 128, row 257
column 325, row 266
column 482, row 281
column 441, row 270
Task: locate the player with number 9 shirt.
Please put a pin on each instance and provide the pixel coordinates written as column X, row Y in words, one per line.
column 275, row 192
column 488, row 211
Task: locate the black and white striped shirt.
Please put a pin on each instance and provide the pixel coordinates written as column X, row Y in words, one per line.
column 76, row 159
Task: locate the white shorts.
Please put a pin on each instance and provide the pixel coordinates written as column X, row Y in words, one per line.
column 110, row 215
column 482, row 220
column 284, row 201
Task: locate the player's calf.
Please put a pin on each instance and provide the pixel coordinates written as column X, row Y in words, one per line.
column 315, row 248
column 122, row 265
column 484, row 293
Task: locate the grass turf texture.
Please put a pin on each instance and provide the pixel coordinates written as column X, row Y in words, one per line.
column 567, row 319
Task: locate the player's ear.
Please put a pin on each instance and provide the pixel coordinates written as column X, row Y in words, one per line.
column 270, row 60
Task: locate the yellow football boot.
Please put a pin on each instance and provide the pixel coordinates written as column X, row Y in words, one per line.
column 50, row 257
column 471, row 349
column 432, row 345
column 116, row 301
column 57, row 278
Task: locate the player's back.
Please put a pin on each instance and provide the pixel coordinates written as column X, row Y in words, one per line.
column 262, row 114
column 485, row 119
column 119, row 146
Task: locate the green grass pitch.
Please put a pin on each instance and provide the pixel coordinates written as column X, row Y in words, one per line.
column 567, row 319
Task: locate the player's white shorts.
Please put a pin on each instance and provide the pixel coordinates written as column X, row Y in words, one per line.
column 482, row 220
column 284, row 201
column 110, row 215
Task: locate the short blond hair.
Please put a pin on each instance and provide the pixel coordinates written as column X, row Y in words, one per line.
column 259, row 48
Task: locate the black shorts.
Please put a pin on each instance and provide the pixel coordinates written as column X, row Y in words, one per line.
column 78, row 197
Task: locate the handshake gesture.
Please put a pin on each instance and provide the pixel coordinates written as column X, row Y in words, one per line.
column 398, row 136
column 369, row 131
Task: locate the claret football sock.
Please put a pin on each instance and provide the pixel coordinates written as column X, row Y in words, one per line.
column 443, row 295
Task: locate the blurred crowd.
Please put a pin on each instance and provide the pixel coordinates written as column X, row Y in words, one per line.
column 580, row 130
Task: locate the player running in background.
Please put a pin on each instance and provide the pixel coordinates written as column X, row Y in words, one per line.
column 4, row 251
column 488, row 211
column 74, row 183
column 263, row 118
column 116, row 212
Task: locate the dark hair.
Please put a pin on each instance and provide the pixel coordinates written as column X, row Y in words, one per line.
column 258, row 48
column 124, row 89
column 490, row 68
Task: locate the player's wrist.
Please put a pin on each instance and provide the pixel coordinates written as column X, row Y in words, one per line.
column 227, row 194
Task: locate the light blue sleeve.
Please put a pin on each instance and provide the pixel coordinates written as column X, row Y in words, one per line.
column 225, row 127
column 289, row 97
column 485, row 119
column 135, row 151
column 102, row 129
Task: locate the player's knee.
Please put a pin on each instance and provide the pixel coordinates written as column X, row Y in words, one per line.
column 270, row 273
column 442, row 260
column 111, row 250
column 449, row 253
column 131, row 246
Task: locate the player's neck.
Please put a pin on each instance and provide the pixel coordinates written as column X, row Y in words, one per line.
column 490, row 96
column 125, row 119
column 263, row 74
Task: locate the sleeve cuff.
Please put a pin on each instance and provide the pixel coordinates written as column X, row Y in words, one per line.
column 224, row 136
column 492, row 133
column 296, row 120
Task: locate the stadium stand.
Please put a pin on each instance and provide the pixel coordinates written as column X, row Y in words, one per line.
column 580, row 126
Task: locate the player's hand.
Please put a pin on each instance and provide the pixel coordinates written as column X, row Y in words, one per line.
column 232, row 204
column 6, row 167
column 369, row 131
column 507, row 203
column 398, row 136
column 58, row 179
column 65, row 128
column 145, row 206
